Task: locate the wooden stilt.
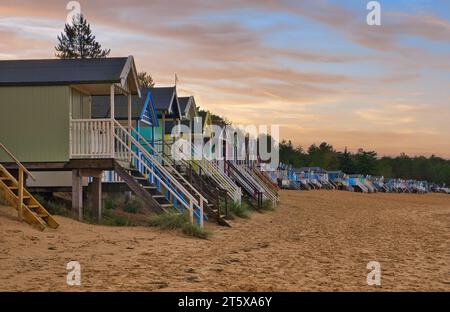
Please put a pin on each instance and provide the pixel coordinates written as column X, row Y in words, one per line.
column 20, row 203
column 77, row 193
column 97, row 197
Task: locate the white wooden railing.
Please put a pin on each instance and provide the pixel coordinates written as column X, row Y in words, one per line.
column 92, row 138
column 97, row 139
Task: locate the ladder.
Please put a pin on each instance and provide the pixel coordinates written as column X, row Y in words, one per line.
column 29, row 209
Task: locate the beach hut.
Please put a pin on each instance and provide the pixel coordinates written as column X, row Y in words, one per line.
column 169, row 113
column 49, row 104
column 357, row 183
column 340, row 180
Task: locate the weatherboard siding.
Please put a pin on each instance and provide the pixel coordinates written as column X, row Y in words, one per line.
column 34, row 123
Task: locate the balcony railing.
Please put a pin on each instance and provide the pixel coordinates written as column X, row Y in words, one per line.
column 96, row 139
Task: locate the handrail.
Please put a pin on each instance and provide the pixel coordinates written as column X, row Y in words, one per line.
column 147, row 167
column 156, row 163
column 268, row 192
column 215, row 169
column 17, row 162
column 193, row 200
column 164, row 159
column 215, row 172
column 249, row 183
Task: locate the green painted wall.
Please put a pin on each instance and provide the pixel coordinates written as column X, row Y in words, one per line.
column 34, row 123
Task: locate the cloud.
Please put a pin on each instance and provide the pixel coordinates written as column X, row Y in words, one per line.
column 225, row 54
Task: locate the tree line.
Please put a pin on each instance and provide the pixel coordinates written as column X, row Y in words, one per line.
column 432, row 169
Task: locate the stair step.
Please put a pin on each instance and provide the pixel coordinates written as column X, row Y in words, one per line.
column 158, row 196
column 166, row 205
column 39, row 215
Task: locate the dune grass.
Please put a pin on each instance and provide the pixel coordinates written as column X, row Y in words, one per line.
column 54, row 206
column 173, row 220
column 267, row 206
column 241, row 210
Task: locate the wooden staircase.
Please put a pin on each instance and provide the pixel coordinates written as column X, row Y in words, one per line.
column 156, row 182
column 247, row 183
column 17, row 195
column 143, row 188
column 212, row 193
column 192, row 174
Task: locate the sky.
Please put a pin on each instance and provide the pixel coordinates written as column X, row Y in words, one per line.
column 314, row 67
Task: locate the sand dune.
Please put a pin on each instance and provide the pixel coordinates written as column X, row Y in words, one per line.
column 314, row 241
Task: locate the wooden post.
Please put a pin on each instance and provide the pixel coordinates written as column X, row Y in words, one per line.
column 163, row 134
column 97, row 197
column 201, row 214
column 77, row 193
column 129, row 126
column 20, row 194
column 112, row 110
column 191, row 211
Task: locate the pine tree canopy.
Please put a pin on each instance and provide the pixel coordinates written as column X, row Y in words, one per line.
column 78, row 42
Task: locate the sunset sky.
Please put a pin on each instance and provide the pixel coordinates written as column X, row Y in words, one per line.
column 313, row 67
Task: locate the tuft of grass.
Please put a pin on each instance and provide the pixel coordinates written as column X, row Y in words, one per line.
column 114, row 220
column 109, row 204
column 131, row 206
column 195, row 231
column 173, row 221
column 54, row 206
column 267, row 205
column 239, row 210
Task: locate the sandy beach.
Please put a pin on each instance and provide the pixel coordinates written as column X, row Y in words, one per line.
column 314, row 241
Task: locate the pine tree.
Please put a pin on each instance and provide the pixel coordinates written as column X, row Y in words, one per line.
column 78, row 42
column 146, row 80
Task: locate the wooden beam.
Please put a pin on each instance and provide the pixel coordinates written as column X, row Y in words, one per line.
column 163, row 134
column 20, row 203
column 95, row 173
column 77, row 194
column 104, row 164
column 112, row 108
column 124, row 90
column 111, row 101
column 129, row 125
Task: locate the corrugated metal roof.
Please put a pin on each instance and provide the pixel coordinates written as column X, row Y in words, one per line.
column 61, row 72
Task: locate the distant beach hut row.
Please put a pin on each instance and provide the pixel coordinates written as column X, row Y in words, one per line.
column 310, row 178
